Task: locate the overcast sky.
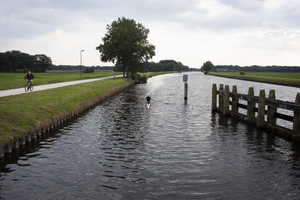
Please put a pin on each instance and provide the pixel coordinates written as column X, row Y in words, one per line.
column 225, row 32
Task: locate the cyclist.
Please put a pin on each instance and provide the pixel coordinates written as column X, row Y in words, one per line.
column 29, row 77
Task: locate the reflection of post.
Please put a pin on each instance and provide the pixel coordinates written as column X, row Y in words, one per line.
column 185, row 90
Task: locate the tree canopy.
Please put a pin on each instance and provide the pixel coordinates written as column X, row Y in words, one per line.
column 207, row 66
column 126, row 44
column 16, row 61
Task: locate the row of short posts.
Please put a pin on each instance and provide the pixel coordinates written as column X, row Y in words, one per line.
column 271, row 102
column 34, row 135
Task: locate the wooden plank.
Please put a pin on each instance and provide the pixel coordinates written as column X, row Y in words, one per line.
column 214, row 97
column 226, row 100
column 271, row 119
column 296, row 120
column 250, row 104
column 235, row 101
column 261, row 109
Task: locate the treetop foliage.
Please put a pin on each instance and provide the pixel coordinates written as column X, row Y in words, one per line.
column 163, row 65
column 126, row 44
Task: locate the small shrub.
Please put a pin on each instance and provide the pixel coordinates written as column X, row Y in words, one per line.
column 242, row 73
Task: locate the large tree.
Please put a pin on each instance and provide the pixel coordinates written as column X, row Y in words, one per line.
column 207, row 66
column 126, row 44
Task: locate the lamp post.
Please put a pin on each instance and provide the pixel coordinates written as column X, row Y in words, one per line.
column 81, row 62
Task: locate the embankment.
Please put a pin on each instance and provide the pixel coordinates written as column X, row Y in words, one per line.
column 27, row 115
column 262, row 79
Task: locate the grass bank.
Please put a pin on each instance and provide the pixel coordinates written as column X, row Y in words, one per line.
column 24, row 113
column 16, row 80
column 288, row 79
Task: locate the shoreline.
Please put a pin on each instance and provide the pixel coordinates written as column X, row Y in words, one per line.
column 276, row 81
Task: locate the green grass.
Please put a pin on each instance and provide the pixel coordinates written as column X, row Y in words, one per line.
column 290, row 79
column 16, row 80
column 21, row 114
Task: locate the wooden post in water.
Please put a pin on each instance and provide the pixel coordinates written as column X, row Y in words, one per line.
column 261, row 109
column 221, row 98
column 235, row 101
column 214, row 97
column 296, row 121
column 226, row 100
column 250, row 105
column 185, row 91
column 271, row 119
column 185, row 79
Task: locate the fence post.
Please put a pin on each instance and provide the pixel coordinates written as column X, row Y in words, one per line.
column 235, row 101
column 271, row 119
column 250, row 105
column 261, row 109
column 214, row 97
column 226, row 100
column 221, row 98
column 296, row 121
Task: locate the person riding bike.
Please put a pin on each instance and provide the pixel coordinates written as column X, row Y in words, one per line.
column 29, row 77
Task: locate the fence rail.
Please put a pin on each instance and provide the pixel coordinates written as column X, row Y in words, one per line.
column 256, row 115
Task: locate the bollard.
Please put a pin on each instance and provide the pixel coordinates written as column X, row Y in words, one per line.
column 185, row 79
column 185, row 90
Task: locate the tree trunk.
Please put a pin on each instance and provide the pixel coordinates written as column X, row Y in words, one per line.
column 127, row 72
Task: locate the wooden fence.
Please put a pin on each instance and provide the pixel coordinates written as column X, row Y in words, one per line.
column 256, row 115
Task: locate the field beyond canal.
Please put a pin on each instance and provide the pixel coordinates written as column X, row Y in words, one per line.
column 16, row 80
column 288, row 79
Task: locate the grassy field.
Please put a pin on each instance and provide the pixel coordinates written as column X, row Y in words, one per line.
column 20, row 114
column 289, row 79
column 16, row 80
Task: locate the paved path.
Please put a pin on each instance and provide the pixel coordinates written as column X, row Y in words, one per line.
column 5, row 93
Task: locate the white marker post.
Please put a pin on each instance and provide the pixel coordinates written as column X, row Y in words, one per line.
column 185, row 79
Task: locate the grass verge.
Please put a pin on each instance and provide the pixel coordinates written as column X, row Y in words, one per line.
column 287, row 79
column 24, row 113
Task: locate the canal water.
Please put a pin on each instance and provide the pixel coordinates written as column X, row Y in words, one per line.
column 177, row 149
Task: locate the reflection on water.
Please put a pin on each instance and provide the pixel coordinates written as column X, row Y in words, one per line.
column 175, row 150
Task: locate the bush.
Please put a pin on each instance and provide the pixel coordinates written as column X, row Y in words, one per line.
column 142, row 78
column 242, row 73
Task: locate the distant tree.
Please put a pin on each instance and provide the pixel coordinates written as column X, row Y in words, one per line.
column 42, row 62
column 126, row 44
column 207, row 66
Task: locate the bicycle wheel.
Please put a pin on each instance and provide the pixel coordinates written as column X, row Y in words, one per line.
column 26, row 87
column 31, row 87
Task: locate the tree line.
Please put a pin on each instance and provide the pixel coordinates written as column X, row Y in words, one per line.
column 163, row 65
column 16, row 61
column 79, row 67
column 256, row 68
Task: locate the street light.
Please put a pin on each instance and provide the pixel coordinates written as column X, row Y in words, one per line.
column 81, row 62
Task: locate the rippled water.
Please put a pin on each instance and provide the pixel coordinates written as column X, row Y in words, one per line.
column 175, row 150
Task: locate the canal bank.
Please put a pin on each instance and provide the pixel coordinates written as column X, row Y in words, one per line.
column 26, row 116
column 262, row 79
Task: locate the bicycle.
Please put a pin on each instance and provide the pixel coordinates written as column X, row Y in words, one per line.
column 28, row 86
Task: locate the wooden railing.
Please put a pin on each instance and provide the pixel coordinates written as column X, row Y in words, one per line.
column 256, row 115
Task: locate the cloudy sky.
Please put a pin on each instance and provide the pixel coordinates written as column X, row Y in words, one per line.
column 225, row 32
